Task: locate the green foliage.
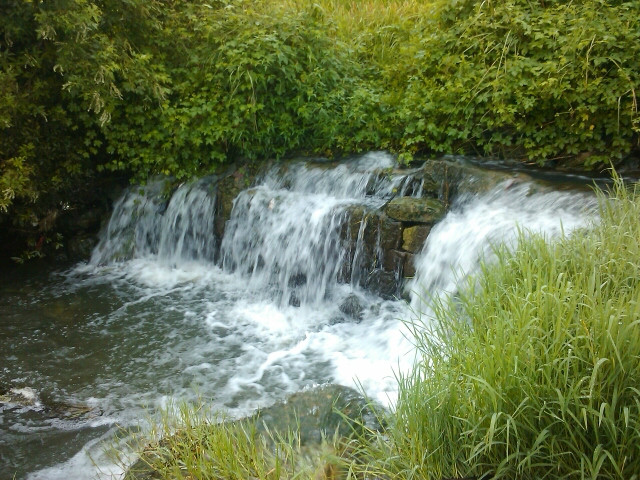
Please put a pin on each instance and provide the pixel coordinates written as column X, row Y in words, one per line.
column 247, row 84
column 533, row 371
column 180, row 88
column 63, row 65
column 541, row 80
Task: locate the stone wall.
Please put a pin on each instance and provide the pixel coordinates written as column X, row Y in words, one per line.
column 388, row 239
column 382, row 243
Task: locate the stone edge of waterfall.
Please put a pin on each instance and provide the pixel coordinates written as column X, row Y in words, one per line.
column 380, row 243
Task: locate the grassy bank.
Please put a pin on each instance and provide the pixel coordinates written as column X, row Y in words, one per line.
column 194, row 442
column 530, row 372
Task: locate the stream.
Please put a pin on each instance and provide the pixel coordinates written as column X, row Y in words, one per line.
column 164, row 311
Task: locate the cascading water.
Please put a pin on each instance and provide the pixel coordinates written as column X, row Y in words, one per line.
column 285, row 234
column 145, row 223
column 164, row 309
column 477, row 223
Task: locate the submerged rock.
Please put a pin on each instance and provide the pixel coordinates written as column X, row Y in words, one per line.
column 20, row 397
column 294, row 300
column 320, row 413
column 352, row 307
column 27, row 397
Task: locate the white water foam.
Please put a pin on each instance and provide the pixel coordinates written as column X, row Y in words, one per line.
column 284, row 235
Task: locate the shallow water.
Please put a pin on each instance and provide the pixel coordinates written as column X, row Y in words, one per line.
column 164, row 317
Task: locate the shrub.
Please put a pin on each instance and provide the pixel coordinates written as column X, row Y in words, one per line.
column 544, row 81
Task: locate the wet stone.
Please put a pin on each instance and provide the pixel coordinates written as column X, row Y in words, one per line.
column 393, row 261
column 409, row 267
column 413, row 238
column 315, row 414
column 384, row 284
column 294, row 300
column 352, row 307
column 297, row 280
column 415, row 210
column 80, row 247
column 390, row 233
column 316, row 411
column 27, row 397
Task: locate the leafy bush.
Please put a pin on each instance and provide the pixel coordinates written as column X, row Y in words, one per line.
column 63, row 67
column 244, row 84
column 533, row 372
column 148, row 87
column 544, row 81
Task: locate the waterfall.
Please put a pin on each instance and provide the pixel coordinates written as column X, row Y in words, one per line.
column 299, row 231
column 145, row 223
column 286, row 233
column 283, row 301
column 477, row 223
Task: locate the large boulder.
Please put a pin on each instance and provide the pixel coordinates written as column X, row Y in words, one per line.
column 314, row 415
column 319, row 413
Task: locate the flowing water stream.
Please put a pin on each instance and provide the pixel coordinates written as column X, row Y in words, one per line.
column 164, row 311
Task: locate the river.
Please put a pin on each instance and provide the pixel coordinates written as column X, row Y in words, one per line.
column 164, row 311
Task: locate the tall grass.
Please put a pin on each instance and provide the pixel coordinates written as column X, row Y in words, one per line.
column 533, row 372
column 194, row 442
column 376, row 30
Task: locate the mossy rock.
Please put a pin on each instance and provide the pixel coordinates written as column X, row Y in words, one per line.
column 316, row 414
column 413, row 238
column 319, row 413
column 415, row 210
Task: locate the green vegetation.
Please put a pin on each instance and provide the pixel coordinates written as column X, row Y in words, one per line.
column 194, row 443
column 181, row 88
column 533, row 371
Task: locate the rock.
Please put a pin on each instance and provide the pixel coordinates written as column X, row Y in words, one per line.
column 80, row 247
column 440, row 178
column 415, row 210
column 315, row 414
column 413, row 238
column 409, row 267
column 297, row 280
column 294, row 300
column 384, row 284
column 352, row 307
column 393, row 261
column 28, row 397
column 229, row 185
column 390, row 232
column 315, row 411
column 21, row 397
